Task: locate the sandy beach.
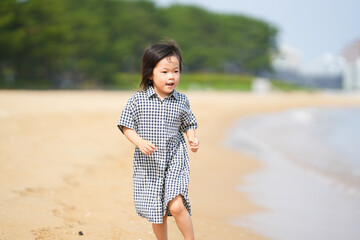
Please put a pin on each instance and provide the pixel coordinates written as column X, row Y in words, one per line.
column 66, row 168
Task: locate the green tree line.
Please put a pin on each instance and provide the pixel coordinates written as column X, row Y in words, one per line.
column 59, row 43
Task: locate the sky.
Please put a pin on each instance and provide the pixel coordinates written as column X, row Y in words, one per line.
column 312, row 28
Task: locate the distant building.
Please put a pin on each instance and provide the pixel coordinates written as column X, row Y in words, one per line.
column 286, row 65
column 351, row 75
column 323, row 73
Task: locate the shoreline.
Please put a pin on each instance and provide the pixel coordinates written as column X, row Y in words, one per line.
column 234, row 106
column 81, row 165
column 305, row 178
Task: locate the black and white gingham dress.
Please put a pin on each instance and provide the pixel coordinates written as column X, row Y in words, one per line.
column 164, row 174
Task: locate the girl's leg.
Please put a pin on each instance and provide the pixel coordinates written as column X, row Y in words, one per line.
column 182, row 217
column 160, row 230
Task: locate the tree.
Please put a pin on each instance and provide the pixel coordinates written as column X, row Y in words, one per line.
column 66, row 43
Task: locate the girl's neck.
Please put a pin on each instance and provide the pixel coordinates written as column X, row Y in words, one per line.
column 162, row 96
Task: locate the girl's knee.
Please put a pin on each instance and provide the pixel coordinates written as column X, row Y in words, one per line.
column 176, row 206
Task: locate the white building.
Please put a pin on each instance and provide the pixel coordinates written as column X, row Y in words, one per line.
column 287, row 59
column 324, row 72
column 351, row 76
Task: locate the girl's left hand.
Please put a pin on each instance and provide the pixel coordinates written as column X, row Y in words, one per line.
column 194, row 144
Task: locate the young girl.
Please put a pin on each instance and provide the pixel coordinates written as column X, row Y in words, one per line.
column 154, row 120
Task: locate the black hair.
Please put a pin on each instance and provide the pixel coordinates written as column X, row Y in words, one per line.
column 153, row 55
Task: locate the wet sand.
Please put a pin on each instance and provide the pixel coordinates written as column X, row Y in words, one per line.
column 66, row 168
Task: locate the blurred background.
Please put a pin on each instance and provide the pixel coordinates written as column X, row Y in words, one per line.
column 64, row 165
column 98, row 44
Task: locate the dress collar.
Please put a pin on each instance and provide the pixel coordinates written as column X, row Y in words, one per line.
column 151, row 92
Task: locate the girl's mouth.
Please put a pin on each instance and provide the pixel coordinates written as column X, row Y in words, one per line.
column 170, row 84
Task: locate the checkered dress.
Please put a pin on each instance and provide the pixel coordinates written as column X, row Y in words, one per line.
column 164, row 174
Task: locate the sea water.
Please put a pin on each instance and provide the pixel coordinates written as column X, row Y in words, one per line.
column 310, row 183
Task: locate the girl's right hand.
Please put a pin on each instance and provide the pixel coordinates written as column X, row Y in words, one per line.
column 146, row 147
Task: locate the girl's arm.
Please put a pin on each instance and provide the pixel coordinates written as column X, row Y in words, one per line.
column 193, row 141
column 146, row 147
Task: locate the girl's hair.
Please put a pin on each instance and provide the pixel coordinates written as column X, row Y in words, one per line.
column 153, row 55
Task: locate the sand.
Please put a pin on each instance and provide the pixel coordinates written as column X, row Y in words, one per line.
column 66, row 168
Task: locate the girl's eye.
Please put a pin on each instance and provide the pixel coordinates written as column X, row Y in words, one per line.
column 176, row 71
column 164, row 72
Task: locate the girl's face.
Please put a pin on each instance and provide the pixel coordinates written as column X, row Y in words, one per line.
column 166, row 76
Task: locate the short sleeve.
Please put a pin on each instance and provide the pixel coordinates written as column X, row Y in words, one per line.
column 127, row 117
column 188, row 118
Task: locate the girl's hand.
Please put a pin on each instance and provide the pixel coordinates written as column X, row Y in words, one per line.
column 146, row 147
column 194, row 144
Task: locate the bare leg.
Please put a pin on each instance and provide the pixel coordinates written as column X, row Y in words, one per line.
column 182, row 217
column 160, row 230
